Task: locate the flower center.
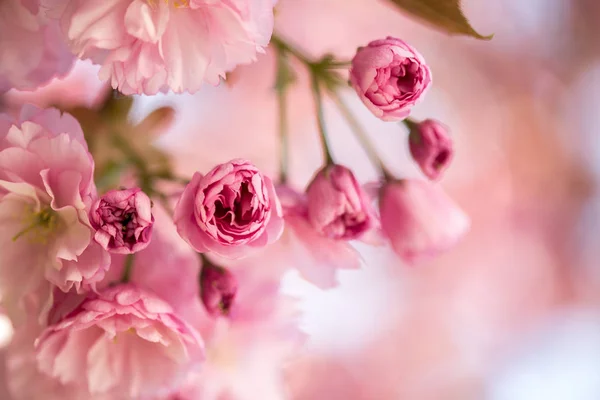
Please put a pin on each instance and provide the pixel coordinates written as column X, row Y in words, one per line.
column 175, row 3
column 39, row 226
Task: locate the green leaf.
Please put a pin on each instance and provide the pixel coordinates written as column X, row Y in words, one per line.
column 446, row 15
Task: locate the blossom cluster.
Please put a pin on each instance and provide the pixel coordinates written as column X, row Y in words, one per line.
column 138, row 285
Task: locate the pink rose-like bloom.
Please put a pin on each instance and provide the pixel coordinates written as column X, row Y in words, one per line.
column 431, row 147
column 46, row 187
column 125, row 342
column 123, row 220
column 146, row 46
column 338, row 207
column 316, row 257
column 218, row 289
column 420, row 219
column 32, row 49
column 230, row 211
column 390, row 77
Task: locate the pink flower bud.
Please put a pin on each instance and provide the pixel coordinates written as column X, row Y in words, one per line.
column 390, row 77
column 218, row 289
column 123, row 221
column 338, row 207
column 431, row 147
column 420, row 219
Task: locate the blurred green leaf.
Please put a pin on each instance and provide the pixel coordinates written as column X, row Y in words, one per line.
column 446, row 15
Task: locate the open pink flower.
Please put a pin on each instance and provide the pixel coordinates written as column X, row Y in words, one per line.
column 431, row 147
column 46, row 186
column 230, row 210
column 390, row 77
column 123, row 220
column 337, row 205
column 125, row 342
column 32, row 49
column 145, row 46
column 420, row 219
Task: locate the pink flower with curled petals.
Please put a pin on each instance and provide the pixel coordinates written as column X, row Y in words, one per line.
column 390, row 77
column 147, row 46
column 338, row 207
column 231, row 210
column 420, row 219
column 123, row 220
column 431, row 147
column 109, row 339
column 32, row 49
column 46, row 187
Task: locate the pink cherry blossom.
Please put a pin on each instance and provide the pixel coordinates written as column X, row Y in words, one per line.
column 168, row 267
column 123, row 220
column 32, row 49
column 390, row 77
column 25, row 381
column 301, row 247
column 431, row 147
column 337, row 205
column 231, row 210
column 110, row 340
column 420, row 219
column 146, row 46
column 46, row 186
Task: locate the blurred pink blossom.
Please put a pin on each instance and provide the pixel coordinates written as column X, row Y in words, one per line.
column 431, row 147
column 231, row 210
column 218, row 288
column 390, row 77
column 145, row 46
column 32, row 49
column 420, row 219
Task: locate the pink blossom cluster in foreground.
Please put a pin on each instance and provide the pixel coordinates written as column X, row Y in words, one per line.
column 126, row 291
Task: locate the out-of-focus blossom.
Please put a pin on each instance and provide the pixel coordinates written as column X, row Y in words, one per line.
column 431, row 147
column 230, row 211
column 301, row 247
column 112, row 337
column 390, row 77
column 80, row 87
column 218, row 287
column 150, row 46
column 46, row 187
column 32, row 49
column 338, row 207
column 419, row 218
column 123, row 220
column 247, row 352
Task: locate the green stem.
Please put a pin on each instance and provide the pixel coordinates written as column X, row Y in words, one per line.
column 339, row 64
column 318, row 98
column 286, row 46
column 283, row 118
column 362, row 136
column 410, row 124
column 127, row 269
column 146, row 181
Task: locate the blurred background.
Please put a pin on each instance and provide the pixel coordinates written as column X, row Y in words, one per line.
column 513, row 312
